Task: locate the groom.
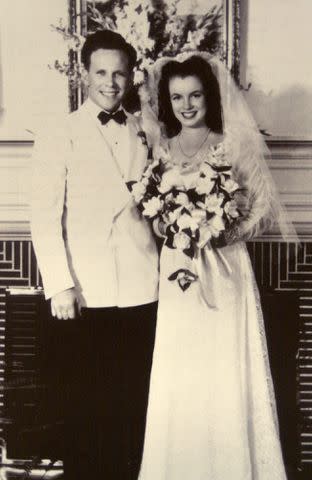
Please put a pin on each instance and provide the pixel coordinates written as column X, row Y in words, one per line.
column 99, row 265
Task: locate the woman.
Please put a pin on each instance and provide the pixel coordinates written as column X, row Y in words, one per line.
column 211, row 413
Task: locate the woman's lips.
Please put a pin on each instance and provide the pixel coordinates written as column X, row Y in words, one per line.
column 188, row 115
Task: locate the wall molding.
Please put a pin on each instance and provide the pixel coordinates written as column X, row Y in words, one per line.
column 291, row 167
column 289, row 148
column 15, row 158
column 290, row 164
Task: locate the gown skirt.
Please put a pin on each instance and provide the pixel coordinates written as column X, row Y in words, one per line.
column 211, row 412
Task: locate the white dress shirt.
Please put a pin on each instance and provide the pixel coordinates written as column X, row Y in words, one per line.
column 116, row 135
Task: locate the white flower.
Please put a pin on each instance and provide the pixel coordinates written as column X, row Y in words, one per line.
column 170, row 179
column 230, row 209
column 213, row 203
column 138, row 191
column 75, row 42
column 204, row 236
column 152, row 207
column 181, row 241
column 199, row 215
column 187, row 221
column 149, row 170
column 145, row 181
column 213, row 228
column 216, row 225
column 191, row 180
column 218, row 157
column 204, row 185
column 220, row 161
column 207, row 170
column 138, row 77
column 173, row 215
column 195, row 38
column 132, row 22
column 169, row 198
column 230, row 185
column 182, row 199
column 161, row 153
column 147, row 62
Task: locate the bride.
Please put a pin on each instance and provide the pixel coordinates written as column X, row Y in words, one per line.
column 211, row 413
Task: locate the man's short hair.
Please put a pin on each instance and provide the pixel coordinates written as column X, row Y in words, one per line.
column 108, row 40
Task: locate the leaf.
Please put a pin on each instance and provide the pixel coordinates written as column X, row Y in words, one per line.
column 190, row 274
column 130, row 185
column 188, row 231
column 139, row 9
column 169, row 239
column 224, row 168
column 185, row 210
column 174, row 275
column 190, row 252
column 184, row 286
column 196, row 235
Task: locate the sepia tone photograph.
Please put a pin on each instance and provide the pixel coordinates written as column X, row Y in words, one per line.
column 155, row 240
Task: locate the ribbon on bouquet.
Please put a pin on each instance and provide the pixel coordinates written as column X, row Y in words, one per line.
column 211, row 266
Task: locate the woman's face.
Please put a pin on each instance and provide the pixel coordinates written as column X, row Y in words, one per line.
column 188, row 101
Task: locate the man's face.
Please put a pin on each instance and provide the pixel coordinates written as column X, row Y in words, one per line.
column 108, row 78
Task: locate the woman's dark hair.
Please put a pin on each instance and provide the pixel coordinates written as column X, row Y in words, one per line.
column 107, row 40
column 193, row 66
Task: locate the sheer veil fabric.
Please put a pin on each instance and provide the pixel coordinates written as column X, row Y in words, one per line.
column 211, row 412
column 249, row 153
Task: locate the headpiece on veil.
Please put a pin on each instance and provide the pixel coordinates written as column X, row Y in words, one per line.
column 247, row 148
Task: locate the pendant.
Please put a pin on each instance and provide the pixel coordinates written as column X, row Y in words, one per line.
column 185, row 164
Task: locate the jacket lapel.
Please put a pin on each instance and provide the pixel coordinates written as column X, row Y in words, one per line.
column 88, row 134
column 138, row 151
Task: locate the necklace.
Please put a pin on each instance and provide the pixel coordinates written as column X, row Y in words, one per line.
column 198, row 149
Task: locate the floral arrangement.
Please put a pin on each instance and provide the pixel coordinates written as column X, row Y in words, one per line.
column 191, row 214
column 152, row 27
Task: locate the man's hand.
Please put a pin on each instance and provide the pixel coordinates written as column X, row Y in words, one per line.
column 65, row 305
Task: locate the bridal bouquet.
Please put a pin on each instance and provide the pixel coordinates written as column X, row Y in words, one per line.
column 192, row 210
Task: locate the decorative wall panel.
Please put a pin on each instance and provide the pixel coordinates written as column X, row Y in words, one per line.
column 18, row 268
column 278, row 267
column 288, row 267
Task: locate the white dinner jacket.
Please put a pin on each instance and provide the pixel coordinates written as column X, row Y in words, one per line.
column 86, row 229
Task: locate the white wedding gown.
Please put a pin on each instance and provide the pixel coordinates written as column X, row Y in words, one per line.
column 211, row 413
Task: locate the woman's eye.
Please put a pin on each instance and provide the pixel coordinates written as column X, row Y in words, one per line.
column 176, row 97
column 197, row 95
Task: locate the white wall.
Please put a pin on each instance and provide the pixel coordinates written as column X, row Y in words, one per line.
column 30, row 90
column 197, row 6
column 276, row 54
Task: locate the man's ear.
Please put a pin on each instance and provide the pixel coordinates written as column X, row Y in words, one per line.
column 85, row 77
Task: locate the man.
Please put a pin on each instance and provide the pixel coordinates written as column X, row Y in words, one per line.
column 97, row 257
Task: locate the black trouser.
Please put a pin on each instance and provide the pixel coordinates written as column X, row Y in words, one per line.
column 104, row 362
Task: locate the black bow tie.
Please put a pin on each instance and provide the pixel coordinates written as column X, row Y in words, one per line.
column 119, row 117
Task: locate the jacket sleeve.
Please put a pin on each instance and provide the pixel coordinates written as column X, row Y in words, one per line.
column 48, row 204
